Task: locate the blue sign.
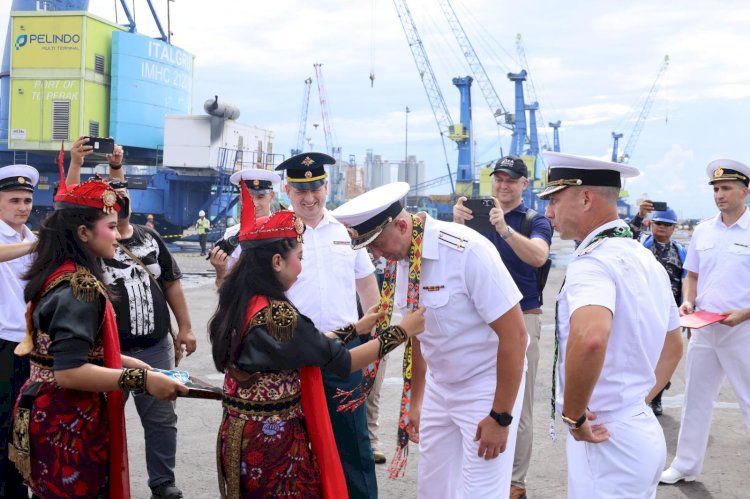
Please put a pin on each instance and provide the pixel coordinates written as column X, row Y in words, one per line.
column 150, row 79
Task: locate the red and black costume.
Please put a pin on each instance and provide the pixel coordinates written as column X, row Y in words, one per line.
column 67, row 442
column 275, row 438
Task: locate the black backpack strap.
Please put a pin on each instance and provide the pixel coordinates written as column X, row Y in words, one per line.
column 528, row 222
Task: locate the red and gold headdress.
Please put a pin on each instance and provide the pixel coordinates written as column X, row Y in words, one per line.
column 283, row 224
column 93, row 193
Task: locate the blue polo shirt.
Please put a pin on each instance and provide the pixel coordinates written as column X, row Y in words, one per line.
column 523, row 274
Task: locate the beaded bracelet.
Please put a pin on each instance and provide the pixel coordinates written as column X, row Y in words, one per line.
column 133, row 380
column 390, row 339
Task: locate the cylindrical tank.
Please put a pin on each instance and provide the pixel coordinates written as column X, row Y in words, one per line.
column 221, row 109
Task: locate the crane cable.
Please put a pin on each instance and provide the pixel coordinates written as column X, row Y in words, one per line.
column 372, row 43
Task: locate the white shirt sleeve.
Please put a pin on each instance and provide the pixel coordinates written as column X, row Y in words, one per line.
column 674, row 317
column 488, row 283
column 588, row 282
column 362, row 264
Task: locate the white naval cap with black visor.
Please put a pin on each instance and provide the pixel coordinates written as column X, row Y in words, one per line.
column 567, row 170
column 18, row 178
column 367, row 215
column 257, row 180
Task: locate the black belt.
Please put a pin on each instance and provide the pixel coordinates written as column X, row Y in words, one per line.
column 261, row 408
column 47, row 361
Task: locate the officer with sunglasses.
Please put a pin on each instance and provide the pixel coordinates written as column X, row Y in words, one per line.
column 669, row 253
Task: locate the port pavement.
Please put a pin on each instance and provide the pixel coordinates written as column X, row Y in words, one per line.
column 727, row 467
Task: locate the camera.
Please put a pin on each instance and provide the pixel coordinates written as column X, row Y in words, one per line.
column 102, row 145
column 659, row 205
column 227, row 245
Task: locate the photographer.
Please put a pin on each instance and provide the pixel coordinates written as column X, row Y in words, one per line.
column 523, row 239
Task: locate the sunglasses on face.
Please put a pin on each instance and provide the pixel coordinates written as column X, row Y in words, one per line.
column 663, row 224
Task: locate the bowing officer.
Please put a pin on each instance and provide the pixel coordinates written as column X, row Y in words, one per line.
column 609, row 334
column 464, row 409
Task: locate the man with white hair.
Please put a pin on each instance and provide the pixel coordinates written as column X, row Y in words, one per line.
column 616, row 333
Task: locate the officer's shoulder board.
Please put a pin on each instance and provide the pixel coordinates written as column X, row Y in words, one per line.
column 455, row 242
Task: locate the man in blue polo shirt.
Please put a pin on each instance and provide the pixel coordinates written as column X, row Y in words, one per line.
column 523, row 248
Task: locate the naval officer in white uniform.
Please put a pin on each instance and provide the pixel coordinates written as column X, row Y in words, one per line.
column 469, row 363
column 617, row 330
column 718, row 265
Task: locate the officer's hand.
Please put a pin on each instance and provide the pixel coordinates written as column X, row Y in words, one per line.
column 645, row 208
column 460, row 212
column 412, row 427
column 413, row 322
column 595, row 434
column 735, row 317
column 686, row 308
column 497, row 217
column 492, row 438
column 218, row 258
column 163, row 387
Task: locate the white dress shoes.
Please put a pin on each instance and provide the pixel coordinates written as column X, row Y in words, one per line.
column 671, row 476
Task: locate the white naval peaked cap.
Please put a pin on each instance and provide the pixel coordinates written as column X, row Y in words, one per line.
column 18, row 177
column 256, row 179
column 367, row 215
column 565, row 170
column 727, row 169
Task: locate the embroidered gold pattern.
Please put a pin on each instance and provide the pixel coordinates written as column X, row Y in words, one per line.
column 281, row 318
column 19, row 450
column 307, row 161
column 390, row 339
column 85, row 285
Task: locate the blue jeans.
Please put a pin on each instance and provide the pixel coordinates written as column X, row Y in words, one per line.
column 158, row 417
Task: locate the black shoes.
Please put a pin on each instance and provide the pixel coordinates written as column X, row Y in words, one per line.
column 166, row 490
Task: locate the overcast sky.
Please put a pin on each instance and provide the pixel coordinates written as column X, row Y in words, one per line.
column 591, row 62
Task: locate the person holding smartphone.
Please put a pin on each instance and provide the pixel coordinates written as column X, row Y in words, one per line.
column 522, row 254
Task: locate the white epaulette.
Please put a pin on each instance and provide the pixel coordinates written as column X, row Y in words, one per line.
column 455, row 242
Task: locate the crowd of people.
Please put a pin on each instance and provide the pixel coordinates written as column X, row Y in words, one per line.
column 304, row 325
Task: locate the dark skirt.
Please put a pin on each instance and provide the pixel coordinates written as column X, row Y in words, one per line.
column 68, row 442
column 267, row 458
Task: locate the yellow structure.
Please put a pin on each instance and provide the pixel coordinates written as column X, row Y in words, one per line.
column 57, row 59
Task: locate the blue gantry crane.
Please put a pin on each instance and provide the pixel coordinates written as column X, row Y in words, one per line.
column 556, row 134
column 303, row 118
column 641, row 121
column 459, row 132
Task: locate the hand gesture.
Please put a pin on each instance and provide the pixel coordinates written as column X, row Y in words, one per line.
column 367, row 322
column 79, row 150
column 645, row 208
column 594, row 434
column 497, row 217
column 460, row 212
column 686, row 308
column 115, row 158
column 413, row 322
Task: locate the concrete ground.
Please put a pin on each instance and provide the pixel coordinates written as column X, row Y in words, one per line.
column 727, row 458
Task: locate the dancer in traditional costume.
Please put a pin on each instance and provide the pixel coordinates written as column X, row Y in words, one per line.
column 68, row 437
column 275, row 438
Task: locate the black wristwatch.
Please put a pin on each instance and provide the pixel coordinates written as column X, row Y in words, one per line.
column 502, row 418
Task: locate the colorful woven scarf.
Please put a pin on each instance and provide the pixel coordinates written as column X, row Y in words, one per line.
column 618, row 231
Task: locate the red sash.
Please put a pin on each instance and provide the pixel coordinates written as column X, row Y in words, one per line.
column 317, row 420
column 119, row 477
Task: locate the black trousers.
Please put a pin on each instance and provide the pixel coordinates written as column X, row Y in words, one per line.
column 14, row 371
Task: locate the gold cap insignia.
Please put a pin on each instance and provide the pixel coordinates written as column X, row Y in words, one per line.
column 256, row 183
column 21, row 180
column 109, row 198
column 352, row 232
column 307, row 161
column 718, row 172
column 308, row 174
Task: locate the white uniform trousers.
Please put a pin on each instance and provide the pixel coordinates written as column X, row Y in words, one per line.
column 449, row 467
column 627, row 466
column 713, row 352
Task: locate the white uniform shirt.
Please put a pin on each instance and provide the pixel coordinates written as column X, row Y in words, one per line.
column 325, row 290
column 465, row 286
column 619, row 274
column 720, row 255
column 12, row 304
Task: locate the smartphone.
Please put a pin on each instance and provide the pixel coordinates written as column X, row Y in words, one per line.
column 659, row 205
column 102, row 145
column 480, row 210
